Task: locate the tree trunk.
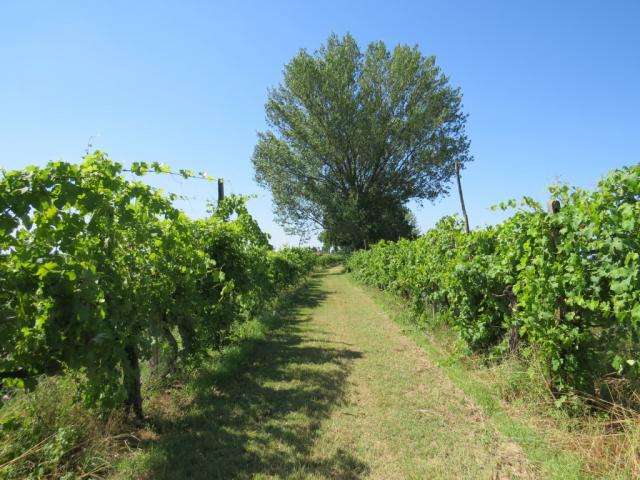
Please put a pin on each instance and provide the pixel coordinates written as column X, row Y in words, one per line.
column 187, row 336
column 464, row 209
column 173, row 346
column 132, row 382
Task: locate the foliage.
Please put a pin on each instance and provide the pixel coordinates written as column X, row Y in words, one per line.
column 53, row 436
column 98, row 272
column 565, row 286
column 326, row 260
column 355, row 135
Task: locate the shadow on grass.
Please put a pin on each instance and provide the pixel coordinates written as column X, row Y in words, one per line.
column 333, row 271
column 257, row 413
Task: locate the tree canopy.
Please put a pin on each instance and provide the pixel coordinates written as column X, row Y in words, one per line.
column 355, row 136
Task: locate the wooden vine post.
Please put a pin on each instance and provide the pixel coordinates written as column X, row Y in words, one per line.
column 553, row 207
column 220, row 190
column 462, row 205
column 514, row 337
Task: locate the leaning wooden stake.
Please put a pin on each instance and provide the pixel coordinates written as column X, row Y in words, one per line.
column 464, row 210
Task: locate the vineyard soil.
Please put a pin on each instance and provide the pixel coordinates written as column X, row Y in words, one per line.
column 335, row 390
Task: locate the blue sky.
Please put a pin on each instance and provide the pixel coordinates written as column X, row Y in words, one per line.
column 552, row 89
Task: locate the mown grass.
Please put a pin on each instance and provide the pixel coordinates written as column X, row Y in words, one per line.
column 329, row 389
column 564, row 444
column 252, row 411
column 403, row 417
column 49, row 433
column 324, row 386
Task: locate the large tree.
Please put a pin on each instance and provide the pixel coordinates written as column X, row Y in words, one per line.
column 354, row 136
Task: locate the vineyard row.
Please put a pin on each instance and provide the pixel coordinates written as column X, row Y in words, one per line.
column 99, row 273
column 558, row 287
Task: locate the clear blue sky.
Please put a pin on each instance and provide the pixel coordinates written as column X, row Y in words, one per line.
column 552, row 88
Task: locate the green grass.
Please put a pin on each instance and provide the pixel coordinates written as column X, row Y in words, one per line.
column 330, row 387
column 327, row 386
column 254, row 411
column 48, row 433
column 552, row 462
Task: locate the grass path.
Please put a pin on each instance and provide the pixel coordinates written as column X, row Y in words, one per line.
column 335, row 390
